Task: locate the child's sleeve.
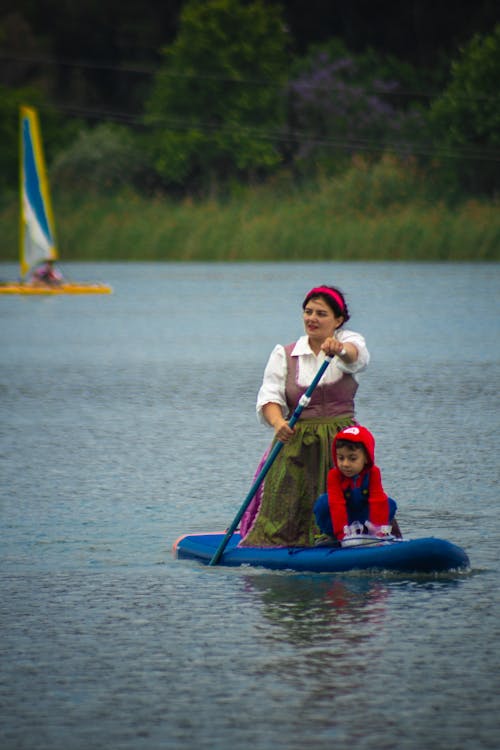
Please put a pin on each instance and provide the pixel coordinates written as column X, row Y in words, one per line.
column 378, row 501
column 336, row 503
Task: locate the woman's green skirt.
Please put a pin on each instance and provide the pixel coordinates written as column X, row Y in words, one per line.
column 293, row 483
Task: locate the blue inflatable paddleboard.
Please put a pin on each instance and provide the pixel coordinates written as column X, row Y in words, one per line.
column 426, row 555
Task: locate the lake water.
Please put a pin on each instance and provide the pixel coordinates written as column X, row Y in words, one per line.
column 128, row 420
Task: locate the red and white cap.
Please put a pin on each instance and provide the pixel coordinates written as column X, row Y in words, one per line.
column 356, row 434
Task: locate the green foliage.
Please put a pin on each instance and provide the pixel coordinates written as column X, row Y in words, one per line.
column 101, row 159
column 312, row 225
column 227, row 110
column 218, row 93
column 466, row 117
column 383, row 211
column 371, row 188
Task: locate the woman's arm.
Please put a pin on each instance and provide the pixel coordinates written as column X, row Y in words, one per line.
column 272, row 407
column 272, row 390
column 273, row 415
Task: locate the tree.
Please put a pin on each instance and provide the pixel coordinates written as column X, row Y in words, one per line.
column 101, row 159
column 466, row 117
column 217, row 98
column 342, row 105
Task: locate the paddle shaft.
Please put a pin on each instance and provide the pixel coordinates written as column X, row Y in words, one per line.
column 303, row 402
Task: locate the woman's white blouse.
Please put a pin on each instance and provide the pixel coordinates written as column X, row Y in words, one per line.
column 272, row 389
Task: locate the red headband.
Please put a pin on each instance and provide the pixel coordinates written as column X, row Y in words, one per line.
column 330, row 293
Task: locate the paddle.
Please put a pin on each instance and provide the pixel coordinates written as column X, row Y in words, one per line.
column 303, row 402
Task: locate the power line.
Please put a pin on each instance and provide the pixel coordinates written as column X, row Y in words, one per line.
column 150, row 70
column 356, row 144
column 83, row 64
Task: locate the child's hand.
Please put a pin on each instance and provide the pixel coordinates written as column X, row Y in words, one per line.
column 379, row 531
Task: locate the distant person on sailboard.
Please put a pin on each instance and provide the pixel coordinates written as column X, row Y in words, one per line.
column 46, row 274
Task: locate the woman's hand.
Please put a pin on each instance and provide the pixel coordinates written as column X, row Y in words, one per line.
column 274, row 416
column 283, row 432
column 333, row 347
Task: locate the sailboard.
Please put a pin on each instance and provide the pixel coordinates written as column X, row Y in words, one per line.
column 421, row 555
column 37, row 238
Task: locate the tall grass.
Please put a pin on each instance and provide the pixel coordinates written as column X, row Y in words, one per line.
column 382, row 212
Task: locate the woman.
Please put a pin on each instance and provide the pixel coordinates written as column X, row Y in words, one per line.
column 281, row 513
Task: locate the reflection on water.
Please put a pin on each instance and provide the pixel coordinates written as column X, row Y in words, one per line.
column 347, row 646
column 321, row 608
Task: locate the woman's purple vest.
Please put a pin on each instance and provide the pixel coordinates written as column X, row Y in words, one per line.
column 330, row 400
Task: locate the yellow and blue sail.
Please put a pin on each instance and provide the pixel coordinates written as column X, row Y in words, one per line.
column 37, row 235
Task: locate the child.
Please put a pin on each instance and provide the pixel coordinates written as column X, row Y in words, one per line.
column 355, row 492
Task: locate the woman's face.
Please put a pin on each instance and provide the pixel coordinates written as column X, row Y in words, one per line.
column 319, row 320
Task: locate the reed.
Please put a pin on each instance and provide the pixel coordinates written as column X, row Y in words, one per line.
column 363, row 215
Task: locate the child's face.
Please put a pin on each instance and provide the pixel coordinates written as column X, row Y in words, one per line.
column 351, row 460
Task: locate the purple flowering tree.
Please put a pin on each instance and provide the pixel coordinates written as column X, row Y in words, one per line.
column 337, row 110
